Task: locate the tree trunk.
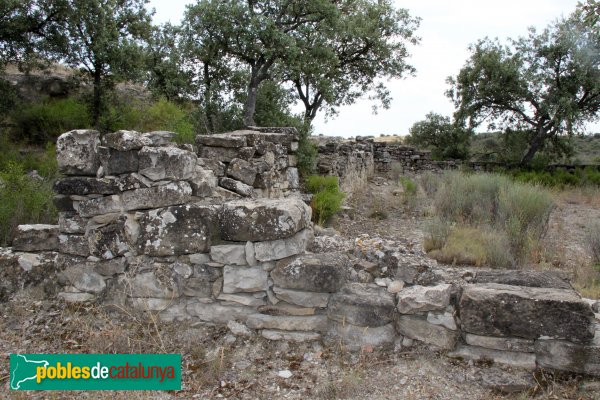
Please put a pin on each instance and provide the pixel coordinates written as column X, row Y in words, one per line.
column 97, row 97
column 534, row 146
column 251, row 99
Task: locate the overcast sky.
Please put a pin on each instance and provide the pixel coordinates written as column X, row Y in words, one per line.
column 447, row 28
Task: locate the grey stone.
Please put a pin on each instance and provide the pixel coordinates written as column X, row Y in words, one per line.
column 362, row 304
column 203, row 183
column 263, row 219
column 567, row 356
column 199, row 258
column 185, row 229
column 236, row 186
column 63, row 203
column 239, row 329
column 160, row 163
column 444, row 318
column 501, row 381
column 159, row 138
column 74, row 244
column 244, row 279
column 111, row 267
column 131, row 182
column 182, row 269
column 125, row 140
column 85, row 279
column 242, row 171
column 293, row 178
column 283, row 308
column 233, row 254
column 303, row 299
column 326, row 272
column 356, row 337
column 242, row 298
column 70, row 222
column 504, row 344
column 115, row 162
column 109, row 241
column 84, row 185
column 198, row 287
column 490, row 310
column 418, row 299
column 317, row 323
column 221, row 140
column 395, row 287
column 217, row 287
column 539, row 279
column 222, row 154
column 272, row 334
column 36, row 237
column 250, row 257
column 246, row 153
column 100, row 206
column 208, row 272
column 219, row 314
column 225, row 195
column 514, row 359
column 170, row 194
column 216, row 166
column 280, row 249
column 418, row 328
column 76, row 152
column 150, row 303
column 147, row 284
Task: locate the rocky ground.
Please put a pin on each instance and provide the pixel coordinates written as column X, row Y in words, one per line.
column 218, row 363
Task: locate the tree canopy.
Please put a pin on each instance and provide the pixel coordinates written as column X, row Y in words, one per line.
column 545, row 85
column 438, row 133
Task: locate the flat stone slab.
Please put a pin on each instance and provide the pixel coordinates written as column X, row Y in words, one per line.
column 221, row 140
column 540, row 279
column 83, row 185
column 362, row 304
column 514, row 311
column 317, row 323
column 567, row 356
column 220, row 314
column 303, row 299
column 326, row 272
column 504, row 344
column 36, row 237
column 273, row 334
column 125, row 140
column 417, row 327
column 514, row 359
column 279, row 249
column 418, row 299
column 172, row 193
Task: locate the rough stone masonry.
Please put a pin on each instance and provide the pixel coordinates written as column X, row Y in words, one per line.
column 218, row 233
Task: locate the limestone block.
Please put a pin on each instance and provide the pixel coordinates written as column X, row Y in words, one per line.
column 232, row 254
column 504, row 344
column 77, row 152
column 85, row 279
column 172, row 163
column 317, row 323
column 273, row 334
column 303, row 299
column 362, row 304
column 280, row 249
column 526, row 312
column 83, row 185
column 203, row 182
column 567, row 356
column 444, row 318
column 170, row 194
column 417, row 299
column 74, row 245
column 111, row 267
column 159, row 138
column 216, row 166
column 116, row 162
column 108, row 241
column 125, row 140
column 101, row 206
column 242, row 171
column 356, row 337
column 222, row 154
column 416, row 327
column 221, row 140
column 36, row 237
column 243, row 299
column 220, row 314
column 293, row 178
column 244, row 279
column 147, row 284
column 512, row 358
column 236, row 186
column 263, row 219
column 325, row 272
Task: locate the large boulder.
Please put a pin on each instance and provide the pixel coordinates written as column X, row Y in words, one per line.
column 515, row 311
column 176, row 230
column 326, row 272
column 263, row 219
column 77, row 152
column 362, row 304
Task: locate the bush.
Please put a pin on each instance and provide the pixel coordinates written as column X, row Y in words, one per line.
column 23, row 200
column 44, row 122
column 327, row 198
column 593, row 242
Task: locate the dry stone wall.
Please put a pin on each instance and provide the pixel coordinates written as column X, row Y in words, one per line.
column 219, row 235
column 351, row 162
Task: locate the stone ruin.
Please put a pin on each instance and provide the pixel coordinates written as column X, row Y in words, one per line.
column 219, row 234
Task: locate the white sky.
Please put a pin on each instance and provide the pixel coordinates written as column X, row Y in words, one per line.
column 447, row 29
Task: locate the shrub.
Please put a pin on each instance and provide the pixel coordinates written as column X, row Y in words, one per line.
column 23, row 201
column 436, row 234
column 307, row 157
column 43, row 122
column 327, row 198
column 593, row 242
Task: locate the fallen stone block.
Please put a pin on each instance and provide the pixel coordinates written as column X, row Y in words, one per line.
column 36, row 237
column 77, row 152
column 362, row 304
column 416, row 327
column 263, row 219
column 417, row 299
column 525, row 312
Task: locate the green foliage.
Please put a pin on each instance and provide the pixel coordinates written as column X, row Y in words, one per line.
column 560, row 177
column 543, row 86
column 327, row 198
column 168, row 116
column 519, row 213
column 438, row 133
column 45, row 121
column 23, row 200
column 307, row 157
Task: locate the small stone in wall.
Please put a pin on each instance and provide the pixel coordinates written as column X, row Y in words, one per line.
column 232, row 254
column 76, row 152
column 239, row 329
column 417, row 299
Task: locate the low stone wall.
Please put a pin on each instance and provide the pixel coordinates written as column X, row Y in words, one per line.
column 152, row 226
column 352, row 162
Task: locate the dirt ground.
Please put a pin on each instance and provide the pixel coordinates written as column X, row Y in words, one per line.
column 216, row 364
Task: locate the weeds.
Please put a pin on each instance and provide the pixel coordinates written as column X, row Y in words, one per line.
column 327, row 198
column 593, row 242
